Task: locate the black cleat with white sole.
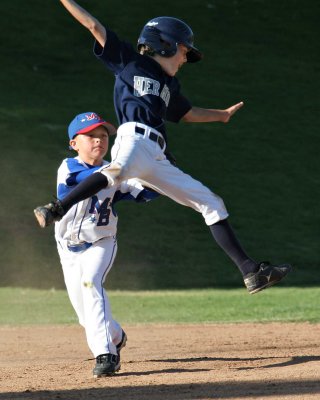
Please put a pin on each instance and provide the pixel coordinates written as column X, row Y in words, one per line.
column 266, row 276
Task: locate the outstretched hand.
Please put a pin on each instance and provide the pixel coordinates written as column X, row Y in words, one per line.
column 228, row 112
column 198, row 114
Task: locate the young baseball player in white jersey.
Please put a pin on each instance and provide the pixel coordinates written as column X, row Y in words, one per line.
column 86, row 238
column 146, row 94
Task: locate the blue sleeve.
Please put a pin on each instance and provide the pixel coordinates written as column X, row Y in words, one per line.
column 77, row 172
column 178, row 106
column 80, row 176
column 116, row 54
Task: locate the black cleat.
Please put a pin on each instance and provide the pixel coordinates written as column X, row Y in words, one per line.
column 48, row 214
column 106, row 365
column 266, row 276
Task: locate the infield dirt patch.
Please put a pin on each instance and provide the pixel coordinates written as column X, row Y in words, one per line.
column 214, row 361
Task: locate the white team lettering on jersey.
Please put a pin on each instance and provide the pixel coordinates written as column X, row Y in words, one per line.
column 143, row 86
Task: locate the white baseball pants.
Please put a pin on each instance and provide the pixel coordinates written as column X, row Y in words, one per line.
column 135, row 155
column 84, row 275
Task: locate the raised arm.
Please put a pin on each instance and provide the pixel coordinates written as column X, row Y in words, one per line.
column 197, row 114
column 87, row 20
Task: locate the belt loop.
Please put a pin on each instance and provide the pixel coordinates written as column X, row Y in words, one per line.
column 140, row 130
column 150, row 133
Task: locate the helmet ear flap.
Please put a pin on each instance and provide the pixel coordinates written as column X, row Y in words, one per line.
column 169, row 47
column 157, row 42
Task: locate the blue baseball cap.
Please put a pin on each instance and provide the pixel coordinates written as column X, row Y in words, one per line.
column 86, row 122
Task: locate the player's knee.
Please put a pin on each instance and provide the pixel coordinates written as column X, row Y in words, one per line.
column 215, row 210
column 114, row 172
column 220, row 204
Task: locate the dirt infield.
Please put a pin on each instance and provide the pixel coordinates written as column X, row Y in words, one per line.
column 218, row 361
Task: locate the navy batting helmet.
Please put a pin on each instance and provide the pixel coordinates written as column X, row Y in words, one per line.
column 163, row 34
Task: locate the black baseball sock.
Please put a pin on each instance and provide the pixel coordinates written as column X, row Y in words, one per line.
column 87, row 188
column 226, row 239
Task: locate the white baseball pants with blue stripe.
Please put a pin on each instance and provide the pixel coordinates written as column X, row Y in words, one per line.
column 84, row 275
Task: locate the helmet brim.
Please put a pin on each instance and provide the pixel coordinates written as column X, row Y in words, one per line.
column 194, row 55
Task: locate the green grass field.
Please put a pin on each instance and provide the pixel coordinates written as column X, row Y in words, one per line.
column 29, row 306
column 264, row 163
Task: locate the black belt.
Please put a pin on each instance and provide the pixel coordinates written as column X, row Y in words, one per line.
column 152, row 136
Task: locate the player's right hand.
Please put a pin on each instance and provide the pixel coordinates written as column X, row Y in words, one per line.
column 228, row 113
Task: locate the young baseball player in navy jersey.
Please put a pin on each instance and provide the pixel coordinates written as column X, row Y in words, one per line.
column 86, row 238
column 146, row 95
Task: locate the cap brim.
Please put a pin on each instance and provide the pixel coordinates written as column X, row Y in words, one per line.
column 110, row 128
column 194, row 55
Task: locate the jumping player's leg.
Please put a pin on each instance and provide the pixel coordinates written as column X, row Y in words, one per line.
column 146, row 161
column 227, row 240
column 182, row 188
column 92, row 185
column 133, row 156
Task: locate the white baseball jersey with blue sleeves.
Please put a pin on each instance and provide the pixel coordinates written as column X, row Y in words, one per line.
column 94, row 218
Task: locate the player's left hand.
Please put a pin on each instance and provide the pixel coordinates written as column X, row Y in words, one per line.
column 228, row 112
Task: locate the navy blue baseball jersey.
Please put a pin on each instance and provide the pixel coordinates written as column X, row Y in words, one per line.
column 143, row 92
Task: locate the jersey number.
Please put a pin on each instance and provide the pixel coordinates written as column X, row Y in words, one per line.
column 103, row 210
